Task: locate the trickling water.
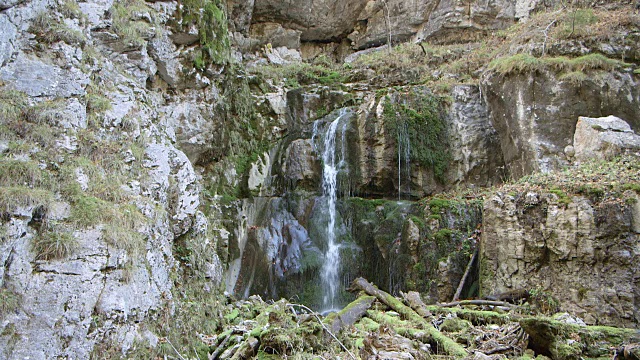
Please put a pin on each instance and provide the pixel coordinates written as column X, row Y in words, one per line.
column 332, row 164
column 404, row 154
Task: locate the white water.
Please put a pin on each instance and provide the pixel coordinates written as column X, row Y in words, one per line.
column 331, row 166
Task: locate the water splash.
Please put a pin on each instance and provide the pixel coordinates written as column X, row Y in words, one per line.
column 333, row 162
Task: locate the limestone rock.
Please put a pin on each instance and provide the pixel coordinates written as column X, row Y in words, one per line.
column 186, row 123
column 475, row 144
column 274, row 34
column 603, row 138
column 165, row 54
column 37, row 78
column 317, row 20
column 301, row 167
column 283, row 55
column 549, row 245
column 174, row 182
column 535, row 114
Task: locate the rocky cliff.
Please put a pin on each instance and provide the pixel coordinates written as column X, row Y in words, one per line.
column 153, row 154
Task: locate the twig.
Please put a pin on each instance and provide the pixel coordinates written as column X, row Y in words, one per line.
column 220, row 347
column 325, row 328
column 477, row 302
column 174, row 349
column 456, row 297
column 546, row 30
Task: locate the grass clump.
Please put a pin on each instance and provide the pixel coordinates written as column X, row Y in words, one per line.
column 54, row 243
column 525, row 63
column 49, row 30
column 128, row 23
column 13, row 197
column 23, row 173
column 9, row 301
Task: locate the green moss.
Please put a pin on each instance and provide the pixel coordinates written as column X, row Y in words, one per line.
column 211, row 20
column 563, row 198
column 419, row 125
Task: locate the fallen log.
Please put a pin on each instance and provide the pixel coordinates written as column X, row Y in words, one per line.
column 448, row 345
column 350, row 314
column 477, row 317
column 478, row 302
column 412, row 298
column 456, row 297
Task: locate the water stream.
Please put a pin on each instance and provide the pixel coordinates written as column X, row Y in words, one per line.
column 333, row 162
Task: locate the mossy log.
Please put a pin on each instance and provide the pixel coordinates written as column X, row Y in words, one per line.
column 412, row 298
column 477, row 317
column 401, row 327
column 350, row 314
column 448, row 345
column 570, row 341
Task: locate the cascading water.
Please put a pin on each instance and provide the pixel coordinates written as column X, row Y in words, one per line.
column 404, row 155
column 332, row 164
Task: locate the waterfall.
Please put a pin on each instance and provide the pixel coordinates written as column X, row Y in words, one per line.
column 332, row 162
column 404, row 155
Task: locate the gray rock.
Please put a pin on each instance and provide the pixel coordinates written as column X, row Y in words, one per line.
column 603, row 138
column 181, row 193
column 8, row 34
column 186, row 124
column 5, row 4
column 165, row 54
column 553, row 255
column 535, row 114
column 274, row 34
column 37, row 78
column 475, row 144
column 317, row 20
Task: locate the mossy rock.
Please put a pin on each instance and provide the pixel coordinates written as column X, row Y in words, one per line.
column 568, row 341
column 454, row 324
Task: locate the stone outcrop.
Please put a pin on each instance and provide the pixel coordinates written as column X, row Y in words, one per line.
column 603, row 138
column 583, row 253
column 535, row 114
column 372, row 23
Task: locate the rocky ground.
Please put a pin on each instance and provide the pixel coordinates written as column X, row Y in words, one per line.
column 379, row 326
column 153, row 153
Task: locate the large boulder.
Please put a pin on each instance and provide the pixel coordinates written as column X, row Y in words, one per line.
column 534, row 113
column 602, row 138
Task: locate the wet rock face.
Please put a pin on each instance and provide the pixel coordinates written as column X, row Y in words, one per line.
column 582, row 253
column 535, row 114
